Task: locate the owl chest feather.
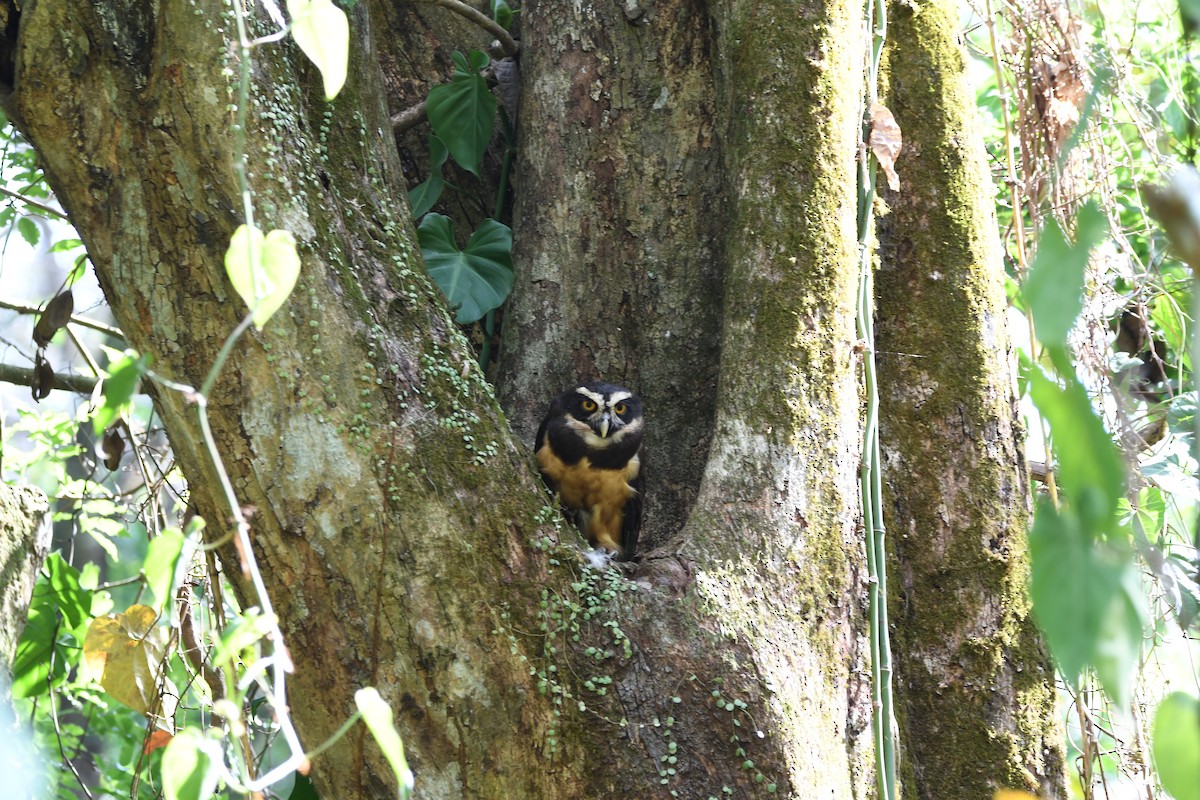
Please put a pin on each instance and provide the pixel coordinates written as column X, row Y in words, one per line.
column 583, row 485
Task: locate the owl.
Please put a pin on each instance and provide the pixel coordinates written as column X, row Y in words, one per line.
column 587, row 449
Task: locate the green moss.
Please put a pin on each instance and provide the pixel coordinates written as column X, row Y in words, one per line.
column 966, row 652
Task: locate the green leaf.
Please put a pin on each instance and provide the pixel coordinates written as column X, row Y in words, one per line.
column 1087, row 600
column 29, row 231
column 159, row 566
column 35, row 653
column 119, row 388
column 1177, row 745
column 39, row 659
column 378, row 716
column 502, row 13
column 263, row 269
column 189, row 766
column 463, row 112
column 1090, row 470
column 62, row 245
column 1054, row 286
column 425, row 194
column 476, row 279
column 72, row 600
column 323, row 33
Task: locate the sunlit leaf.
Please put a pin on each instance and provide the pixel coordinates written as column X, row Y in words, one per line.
column 475, row 279
column 1176, row 740
column 159, row 567
column 63, row 245
column 263, row 269
column 190, row 766
column 125, row 653
column 323, row 33
column 378, row 716
column 1054, row 288
column 119, row 388
column 886, row 142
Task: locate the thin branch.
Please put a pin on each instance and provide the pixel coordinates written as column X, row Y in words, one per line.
column 53, row 212
column 77, row 320
column 24, row 376
column 507, row 43
column 409, row 118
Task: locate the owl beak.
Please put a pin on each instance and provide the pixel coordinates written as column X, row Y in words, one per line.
column 605, row 421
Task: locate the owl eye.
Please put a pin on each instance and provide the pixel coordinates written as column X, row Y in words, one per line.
column 620, row 408
column 589, row 405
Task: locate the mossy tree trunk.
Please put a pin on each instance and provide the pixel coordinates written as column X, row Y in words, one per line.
column 684, row 224
column 973, row 685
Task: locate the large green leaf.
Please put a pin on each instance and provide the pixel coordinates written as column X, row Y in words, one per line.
column 463, row 111
column 1054, row 287
column 1177, row 745
column 1087, row 600
column 40, row 658
column 425, row 194
column 475, row 279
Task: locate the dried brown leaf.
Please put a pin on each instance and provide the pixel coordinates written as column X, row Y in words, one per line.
column 886, row 142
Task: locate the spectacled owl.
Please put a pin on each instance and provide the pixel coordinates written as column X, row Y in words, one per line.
column 587, row 450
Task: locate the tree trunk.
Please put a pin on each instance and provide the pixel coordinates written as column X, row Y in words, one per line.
column 24, row 543
column 964, row 642
column 685, row 224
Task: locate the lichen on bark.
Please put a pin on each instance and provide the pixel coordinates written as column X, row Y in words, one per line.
column 973, row 685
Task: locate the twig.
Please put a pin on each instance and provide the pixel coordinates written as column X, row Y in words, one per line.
column 53, row 212
column 507, row 43
column 409, row 118
column 24, row 376
column 85, row 322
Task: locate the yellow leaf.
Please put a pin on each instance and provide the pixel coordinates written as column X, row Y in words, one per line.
column 125, row 653
column 1013, row 794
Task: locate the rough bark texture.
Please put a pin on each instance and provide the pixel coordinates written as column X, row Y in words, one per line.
column 24, row 542
column 618, row 225
column 973, row 686
column 684, row 225
column 389, row 504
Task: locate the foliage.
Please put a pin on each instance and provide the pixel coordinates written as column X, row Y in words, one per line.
column 163, row 688
column 1080, row 133
column 475, row 279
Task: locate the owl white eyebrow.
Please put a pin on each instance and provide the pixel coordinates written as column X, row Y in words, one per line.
column 596, row 398
column 617, row 397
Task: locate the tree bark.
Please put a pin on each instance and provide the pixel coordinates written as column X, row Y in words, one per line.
column 24, row 543
column 685, row 225
column 974, row 686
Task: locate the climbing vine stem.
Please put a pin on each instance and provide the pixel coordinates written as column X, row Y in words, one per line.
column 870, row 479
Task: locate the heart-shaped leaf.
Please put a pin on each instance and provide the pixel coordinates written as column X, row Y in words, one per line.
column 323, row 33
column 263, row 269
column 475, row 279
